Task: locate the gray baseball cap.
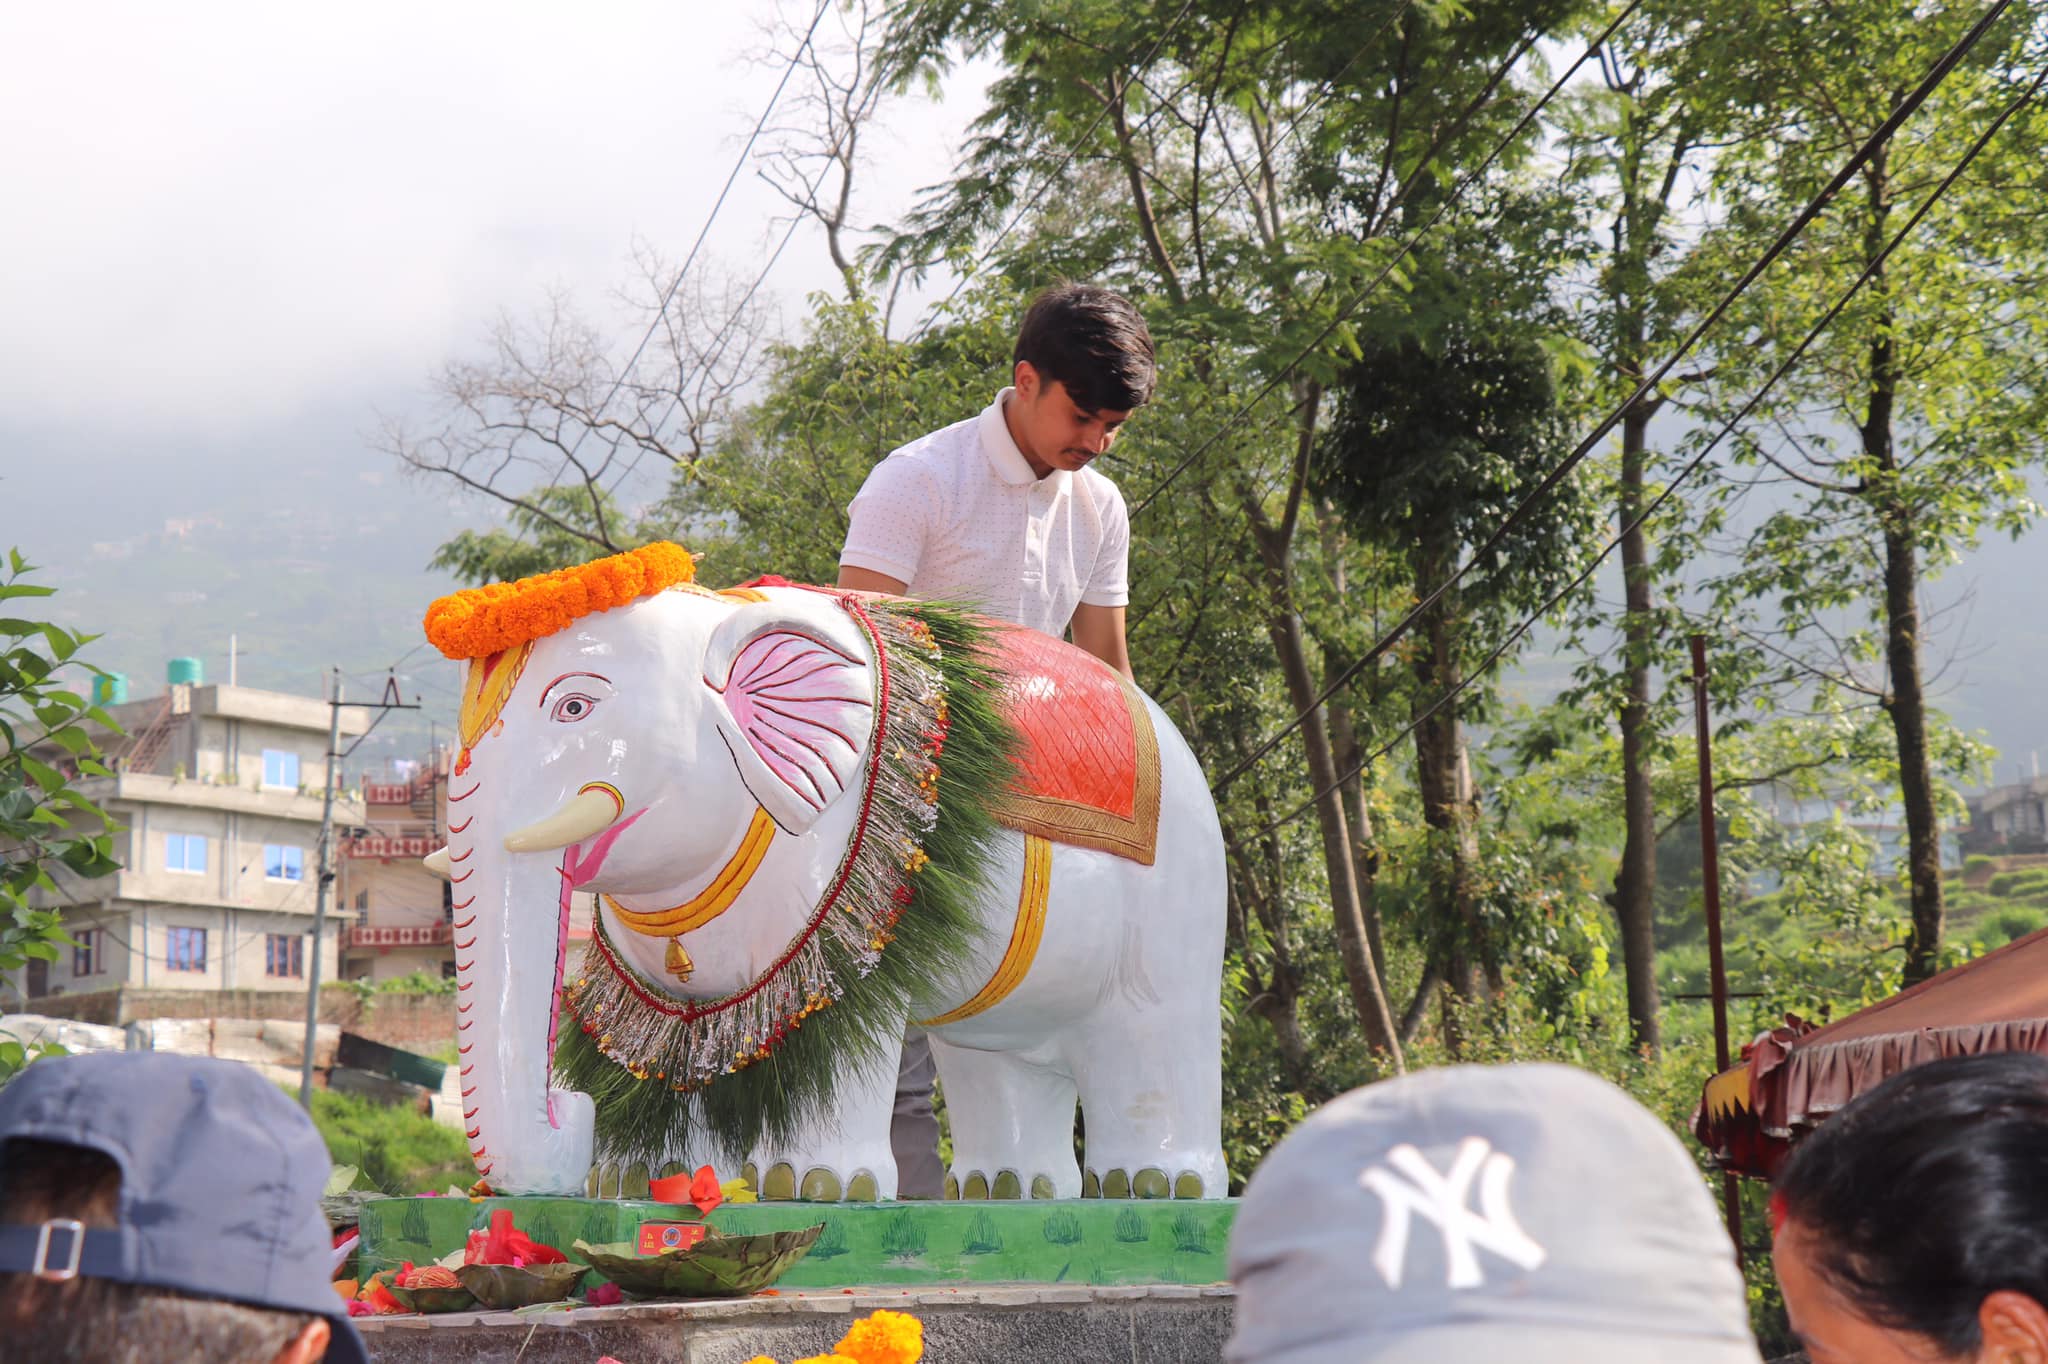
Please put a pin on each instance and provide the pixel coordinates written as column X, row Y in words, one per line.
column 221, row 1177
column 1532, row 1213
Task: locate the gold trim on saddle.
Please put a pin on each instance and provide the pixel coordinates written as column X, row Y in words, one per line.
column 1024, row 936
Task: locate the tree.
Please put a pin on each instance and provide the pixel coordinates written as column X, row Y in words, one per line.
column 1242, row 169
column 1447, row 417
column 1912, row 432
column 46, row 821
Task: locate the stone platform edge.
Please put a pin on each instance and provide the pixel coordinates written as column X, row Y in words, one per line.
column 1027, row 1323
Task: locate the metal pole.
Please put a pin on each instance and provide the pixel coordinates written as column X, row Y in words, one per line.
column 1710, row 881
column 325, row 876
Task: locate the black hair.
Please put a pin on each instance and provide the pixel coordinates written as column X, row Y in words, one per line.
column 1929, row 1193
column 1093, row 343
column 105, row 1320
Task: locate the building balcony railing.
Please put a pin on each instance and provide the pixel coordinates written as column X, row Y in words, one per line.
column 390, row 845
column 405, row 935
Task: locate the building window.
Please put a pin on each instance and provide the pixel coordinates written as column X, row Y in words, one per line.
column 447, row 970
column 85, row 957
column 187, row 949
column 284, row 954
column 280, row 768
column 282, row 862
column 185, row 852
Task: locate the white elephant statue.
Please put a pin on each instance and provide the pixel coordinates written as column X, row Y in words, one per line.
column 811, row 818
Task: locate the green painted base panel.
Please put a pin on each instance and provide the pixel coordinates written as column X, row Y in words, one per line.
column 1078, row 1241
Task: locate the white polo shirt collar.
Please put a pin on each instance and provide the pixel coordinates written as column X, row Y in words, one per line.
column 1001, row 448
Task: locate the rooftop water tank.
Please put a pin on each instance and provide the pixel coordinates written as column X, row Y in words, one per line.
column 110, row 689
column 185, row 672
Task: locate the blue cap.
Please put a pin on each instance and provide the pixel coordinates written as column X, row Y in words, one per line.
column 1532, row 1213
column 221, row 1176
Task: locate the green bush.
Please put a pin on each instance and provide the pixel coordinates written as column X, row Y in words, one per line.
column 398, row 1150
column 1977, row 864
column 2007, row 924
column 417, row 983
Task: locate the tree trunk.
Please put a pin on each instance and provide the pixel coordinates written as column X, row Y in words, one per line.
column 1365, row 852
column 1906, row 700
column 1368, row 991
column 1458, row 935
column 1635, row 880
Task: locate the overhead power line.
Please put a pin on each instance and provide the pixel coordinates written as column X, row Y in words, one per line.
column 1692, row 466
column 1357, row 300
column 1904, row 110
column 675, row 284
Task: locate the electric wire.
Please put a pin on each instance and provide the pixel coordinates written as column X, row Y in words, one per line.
column 1357, row 300
column 1564, row 468
column 675, row 284
column 1692, row 466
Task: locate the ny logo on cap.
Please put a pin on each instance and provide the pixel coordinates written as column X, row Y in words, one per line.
column 1412, row 1188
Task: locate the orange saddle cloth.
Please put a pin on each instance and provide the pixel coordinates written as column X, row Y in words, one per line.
column 1089, row 771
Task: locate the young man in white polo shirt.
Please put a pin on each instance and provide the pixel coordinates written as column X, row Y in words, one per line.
column 1004, row 513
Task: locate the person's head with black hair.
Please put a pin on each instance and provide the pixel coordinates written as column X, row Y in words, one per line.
column 1912, row 1226
column 1084, row 362
column 160, row 1207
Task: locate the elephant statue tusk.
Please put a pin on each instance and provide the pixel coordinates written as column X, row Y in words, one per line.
column 437, row 863
column 586, row 813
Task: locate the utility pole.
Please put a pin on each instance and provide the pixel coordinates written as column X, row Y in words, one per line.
column 325, row 856
column 1710, row 881
column 325, row 876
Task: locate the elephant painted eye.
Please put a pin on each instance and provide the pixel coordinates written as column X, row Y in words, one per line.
column 572, row 708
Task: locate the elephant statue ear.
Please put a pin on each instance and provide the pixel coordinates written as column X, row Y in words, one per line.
column 799, row 706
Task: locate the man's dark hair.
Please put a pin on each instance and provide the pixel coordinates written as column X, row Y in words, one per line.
column 1930, row 1193
column 103, row 1320
column 1093, row 343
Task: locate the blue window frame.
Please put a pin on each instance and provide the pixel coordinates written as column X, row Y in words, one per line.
column 280, row 768
column 185, row 852
column 186, row 949
column 283, row 862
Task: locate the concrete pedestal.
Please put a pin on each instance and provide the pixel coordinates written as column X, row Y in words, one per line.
column 977, row 1324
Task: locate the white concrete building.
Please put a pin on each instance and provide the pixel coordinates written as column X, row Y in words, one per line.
column 403, row 919
column 218, row 790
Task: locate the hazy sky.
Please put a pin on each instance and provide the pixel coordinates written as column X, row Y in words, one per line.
column 222, row 214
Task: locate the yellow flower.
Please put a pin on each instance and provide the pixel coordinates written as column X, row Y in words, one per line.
column 884, row 1338
column 736, row 1191
column 822, row 1359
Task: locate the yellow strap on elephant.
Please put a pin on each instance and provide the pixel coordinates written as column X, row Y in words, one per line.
column 707, row 904
column 1024, row 936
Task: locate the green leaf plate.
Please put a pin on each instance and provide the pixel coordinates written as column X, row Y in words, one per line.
column 505, row 1288
column 716, row 1267
column 433, row 1299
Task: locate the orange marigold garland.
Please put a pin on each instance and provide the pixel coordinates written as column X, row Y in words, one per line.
column 484, row 620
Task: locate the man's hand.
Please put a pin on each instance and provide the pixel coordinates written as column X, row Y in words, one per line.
column 867, row 580
column 1098, row 629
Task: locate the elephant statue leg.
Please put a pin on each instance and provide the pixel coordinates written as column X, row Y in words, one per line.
column 1012, row 1117
column 844, row 1155
column 1152, row 1125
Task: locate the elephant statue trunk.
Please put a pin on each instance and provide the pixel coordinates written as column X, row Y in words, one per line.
column 511, row 939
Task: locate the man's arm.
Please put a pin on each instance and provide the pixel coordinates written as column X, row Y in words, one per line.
column 867, row 580
column 1099, row 630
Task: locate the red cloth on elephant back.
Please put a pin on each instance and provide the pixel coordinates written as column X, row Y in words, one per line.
column 1089, row 771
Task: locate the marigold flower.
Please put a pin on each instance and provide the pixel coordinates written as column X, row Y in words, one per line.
column 480, row 621
column 884, row 1338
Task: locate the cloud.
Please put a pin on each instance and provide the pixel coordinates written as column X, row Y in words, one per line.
column 220, row 214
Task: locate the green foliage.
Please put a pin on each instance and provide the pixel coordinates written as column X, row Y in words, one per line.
column 417, row 983
column 1061, row 1229
column 398, row 1150
column 903, row 1237
column 49, row 826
